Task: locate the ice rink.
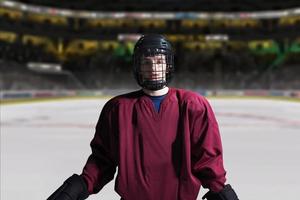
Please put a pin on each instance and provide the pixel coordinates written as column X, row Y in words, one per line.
column 44, row 143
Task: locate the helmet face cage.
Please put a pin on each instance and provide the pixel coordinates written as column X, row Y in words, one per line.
column 153, row 67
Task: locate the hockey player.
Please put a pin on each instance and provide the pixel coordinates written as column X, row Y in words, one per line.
column 164, row 141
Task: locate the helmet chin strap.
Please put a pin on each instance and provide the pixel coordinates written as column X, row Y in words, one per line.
column 159, row 92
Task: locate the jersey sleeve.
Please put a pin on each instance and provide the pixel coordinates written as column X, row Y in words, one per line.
column 101, row 164
column 206, row 146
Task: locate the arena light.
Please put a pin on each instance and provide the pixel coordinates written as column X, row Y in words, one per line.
column 8, row 4
column 128, row 37
column 217, row 37
column 297, row 11
column 150, row 15
column 44, row 67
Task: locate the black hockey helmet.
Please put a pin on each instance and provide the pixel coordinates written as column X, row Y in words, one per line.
column 155, row 52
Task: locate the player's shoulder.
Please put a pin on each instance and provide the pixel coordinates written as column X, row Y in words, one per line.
column 122, row 99
column 187, row 96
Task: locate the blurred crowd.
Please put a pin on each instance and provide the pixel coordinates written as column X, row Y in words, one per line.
column 223, row 69
column 256, row 54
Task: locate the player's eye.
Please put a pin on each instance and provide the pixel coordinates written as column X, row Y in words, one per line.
column 160, row 61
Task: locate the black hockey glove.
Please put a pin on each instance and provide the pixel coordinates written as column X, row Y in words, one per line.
column 226, row 194
column 74, row 188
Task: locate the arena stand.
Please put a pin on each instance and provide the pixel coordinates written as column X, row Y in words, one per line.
column 212, row 54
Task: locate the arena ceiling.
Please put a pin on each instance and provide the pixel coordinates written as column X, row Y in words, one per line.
column 169, row 5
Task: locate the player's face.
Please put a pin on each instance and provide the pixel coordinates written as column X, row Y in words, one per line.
column 154, row 67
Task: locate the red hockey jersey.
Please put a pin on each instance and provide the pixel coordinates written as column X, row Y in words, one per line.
column 165, row 155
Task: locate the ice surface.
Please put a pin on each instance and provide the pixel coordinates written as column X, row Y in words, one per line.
column 44, row 143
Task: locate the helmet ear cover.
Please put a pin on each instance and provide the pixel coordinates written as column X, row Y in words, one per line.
column 153, row 46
